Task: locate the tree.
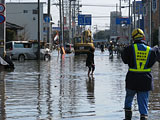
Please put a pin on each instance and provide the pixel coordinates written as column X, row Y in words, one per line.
column 100, row 35
column 24, row 34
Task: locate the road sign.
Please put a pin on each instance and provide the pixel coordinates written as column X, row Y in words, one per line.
column 47, row 19
column 2, row 18
column 2, row 8
column 84, row 19
column 123, row 21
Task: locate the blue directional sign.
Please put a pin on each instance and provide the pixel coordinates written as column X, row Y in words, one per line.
column 123, row 21
column 56, row 28
column 2, row 18
column 47, row 19
column 84, row 19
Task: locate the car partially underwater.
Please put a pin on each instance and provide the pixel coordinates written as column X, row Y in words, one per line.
column 26, row 50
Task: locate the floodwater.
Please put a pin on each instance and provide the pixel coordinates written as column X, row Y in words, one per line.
column 61, row 90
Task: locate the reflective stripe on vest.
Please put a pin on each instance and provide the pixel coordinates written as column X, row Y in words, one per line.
column 141, row 60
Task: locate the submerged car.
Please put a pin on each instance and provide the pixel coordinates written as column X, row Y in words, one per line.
column 69, row 48
column 25, row 50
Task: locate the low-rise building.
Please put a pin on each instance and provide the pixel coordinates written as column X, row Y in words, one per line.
column 151, row 7
column 25, row 14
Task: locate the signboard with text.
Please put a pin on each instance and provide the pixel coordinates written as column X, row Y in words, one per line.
column 84, row 19
column 123, row 21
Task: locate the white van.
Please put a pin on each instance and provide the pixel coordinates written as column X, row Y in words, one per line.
column 23, row 50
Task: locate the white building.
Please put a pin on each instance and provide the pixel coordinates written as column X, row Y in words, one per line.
column 25, row 14
column 115, row 29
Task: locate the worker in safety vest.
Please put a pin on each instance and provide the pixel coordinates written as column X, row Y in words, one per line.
column 140, row 58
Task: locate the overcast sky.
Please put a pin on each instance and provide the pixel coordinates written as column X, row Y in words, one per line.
column 102, row 23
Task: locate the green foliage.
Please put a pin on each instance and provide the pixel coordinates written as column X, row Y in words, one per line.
column 100, row 35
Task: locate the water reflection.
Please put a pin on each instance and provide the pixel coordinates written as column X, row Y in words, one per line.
column 154, row 103
column 90, row 89
column 61, row 89
column 2, row 96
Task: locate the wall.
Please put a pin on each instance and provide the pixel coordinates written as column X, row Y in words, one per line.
column 22, row 15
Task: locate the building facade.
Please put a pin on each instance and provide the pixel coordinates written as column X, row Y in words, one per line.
column 25, row 14
column 114, row 28
column 151, row 20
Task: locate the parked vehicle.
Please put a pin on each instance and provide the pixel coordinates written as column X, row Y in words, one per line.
column 25, row 50
column 69, row 48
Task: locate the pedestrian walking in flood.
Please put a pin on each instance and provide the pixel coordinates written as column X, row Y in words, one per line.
column 139, row 81
column 110, row 49
column 90, row 61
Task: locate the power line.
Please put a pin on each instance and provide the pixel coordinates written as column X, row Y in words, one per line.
column 98, row 5
column 92, row 5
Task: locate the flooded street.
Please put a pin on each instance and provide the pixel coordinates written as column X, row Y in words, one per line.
column 61, row 90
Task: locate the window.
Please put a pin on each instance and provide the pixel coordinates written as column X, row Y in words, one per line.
column 34, row 18
column 18, row 45
column 22, row 45
column 35, row 11
column 25, row 11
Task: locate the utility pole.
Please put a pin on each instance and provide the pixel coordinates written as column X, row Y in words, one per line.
column 120, row 7
column 121, row 32
column 150, row 23
column 139, row 10
column 116, row 17
column 38, row 56
column 2, row 31
column 48, row 24
column 78, row 14
column 134, row 13
column 74, row 16
column 70, row 27
column 159, row 26
column 60, row 17
column 63, row 42
column 129, row 27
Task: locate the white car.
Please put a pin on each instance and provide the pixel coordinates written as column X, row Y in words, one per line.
column 25, row 50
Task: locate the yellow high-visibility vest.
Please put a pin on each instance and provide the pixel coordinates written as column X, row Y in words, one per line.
column 141, row 60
